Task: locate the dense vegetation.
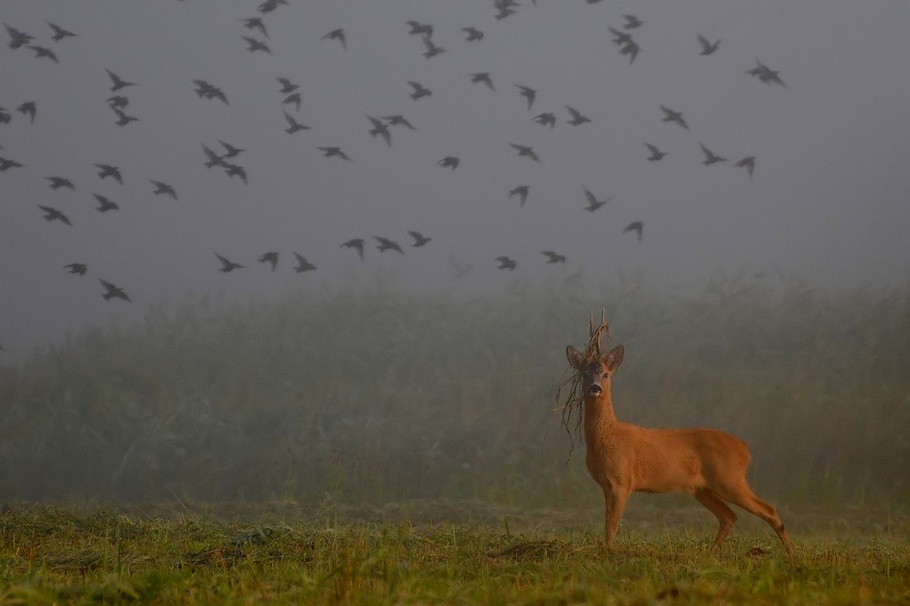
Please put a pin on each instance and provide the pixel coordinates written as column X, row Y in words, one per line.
column 376, row 394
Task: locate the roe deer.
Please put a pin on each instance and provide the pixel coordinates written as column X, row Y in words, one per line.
column 624, row 458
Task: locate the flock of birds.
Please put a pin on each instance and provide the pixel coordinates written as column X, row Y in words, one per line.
column 226, row 156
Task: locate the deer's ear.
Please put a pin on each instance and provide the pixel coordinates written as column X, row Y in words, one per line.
column 576, row 358
column 614, row 358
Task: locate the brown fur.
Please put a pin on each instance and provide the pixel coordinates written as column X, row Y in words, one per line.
column 623, row 458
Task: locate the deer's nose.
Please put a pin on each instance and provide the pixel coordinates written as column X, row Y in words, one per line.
column 595, row 389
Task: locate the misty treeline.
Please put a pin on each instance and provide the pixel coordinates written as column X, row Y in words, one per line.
column 376, row 394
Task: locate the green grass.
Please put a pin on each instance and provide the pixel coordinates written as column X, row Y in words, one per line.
column 280, row 553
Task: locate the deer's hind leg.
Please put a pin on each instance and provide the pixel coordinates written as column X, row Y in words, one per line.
column 725, row 516
column 746, row 499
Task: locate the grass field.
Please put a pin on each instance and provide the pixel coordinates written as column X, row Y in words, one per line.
column 441, row 552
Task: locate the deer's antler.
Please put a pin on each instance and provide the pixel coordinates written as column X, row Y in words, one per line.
column 594, row 349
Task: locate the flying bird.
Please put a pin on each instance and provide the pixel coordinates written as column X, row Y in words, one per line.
column 105, row 204
column 113, row 292
column 632, row 49
column 552, row 257
column 227, row 265
column 287, row 86
column 748, row 163
column 8, row 163
column 656, row 154
column 483, row 78
column 328, row 152
column 270, row 257
column 337, row 34
column 42, row 51
column 117, row 81
column 449, row 162
column 253, row 45
column 76, row 268
column 577, row 117
column 117, row 101
column 386, row 244
column 17, row 39
column 707, row 47
column 52, row 214
column 545, row 119
column 621, row 38
column 423, row 29
column 123, row 119
column 525, row 150
column 255, row 23
column 233, row 170
column 302, row 264
column 210, row 91
column 29, row 108
column 213, row 158
column 506, row 263
column 766, row 74
column 635, row 226
column 673, row 116
column 106, row 170
column 419, row 90
column 528, row 93
column 710, row 156
column 380, row 129
column 58, row 182
column 522, row 192
column 293, row 98
column 432, row 49
column 472, row 33
column 293, row 124
column 632, row 22
column 356, row 244
column 594, row 203
column 419, row 239
column 398, row 120
column 59, row 32
column 229, row 150
column 163, row 188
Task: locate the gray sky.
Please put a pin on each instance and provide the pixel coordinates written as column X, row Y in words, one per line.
column 828, row 200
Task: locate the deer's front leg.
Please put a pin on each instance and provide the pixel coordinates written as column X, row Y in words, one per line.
column 615, row 499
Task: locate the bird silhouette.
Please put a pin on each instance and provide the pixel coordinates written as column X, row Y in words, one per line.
column 386, row 244
column 123, row 119
column 8, row 163
column 255, row 23
column 635, row 226
column 472, row 33
column 631, row 49
column 748, row 163
column 528, row 93
column 106, row 170
column 163, row 188
column 105, row 204
column 337, row 34
column 594, row 203
column 58, row 182
column 673, row 116
column 621, row 38
column 52, row 214
column 229, row 150
column 552, row 257
column 210, row 91
column 380, row 129
column 270, row 257
column 59, row 32
column 422, row 29
column 522, row 192
column 112, row 292
column 419, row 239
column 656, row 154
column 707, row 47
column 449, row 162
column 710, row 156
column 287, row 86
column 44, row 52
column 577, row 117
column 302, row 264
column 483, row 78
column 545, row 119
column 293, row 124
column 356, row 244
column 632, row 22
column 293, row 98
column 419, row 90
column 525, row 150
column 506, row 263
column 30, row 109
column 227, row 265
column 398, row 120
column 76, row 268
column 18, row 38
column 253, row 45
column 432, row 49
column 213, row 158
column 235, row 170
column 117, row 81
column 766, row 74
column 328, row 152
column 117, row 101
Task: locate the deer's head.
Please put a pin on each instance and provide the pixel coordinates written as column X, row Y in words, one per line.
column 595, row 372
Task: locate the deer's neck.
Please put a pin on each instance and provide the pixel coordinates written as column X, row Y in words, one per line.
column 600, row 419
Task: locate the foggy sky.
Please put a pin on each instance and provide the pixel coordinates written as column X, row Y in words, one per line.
column 828, row 200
